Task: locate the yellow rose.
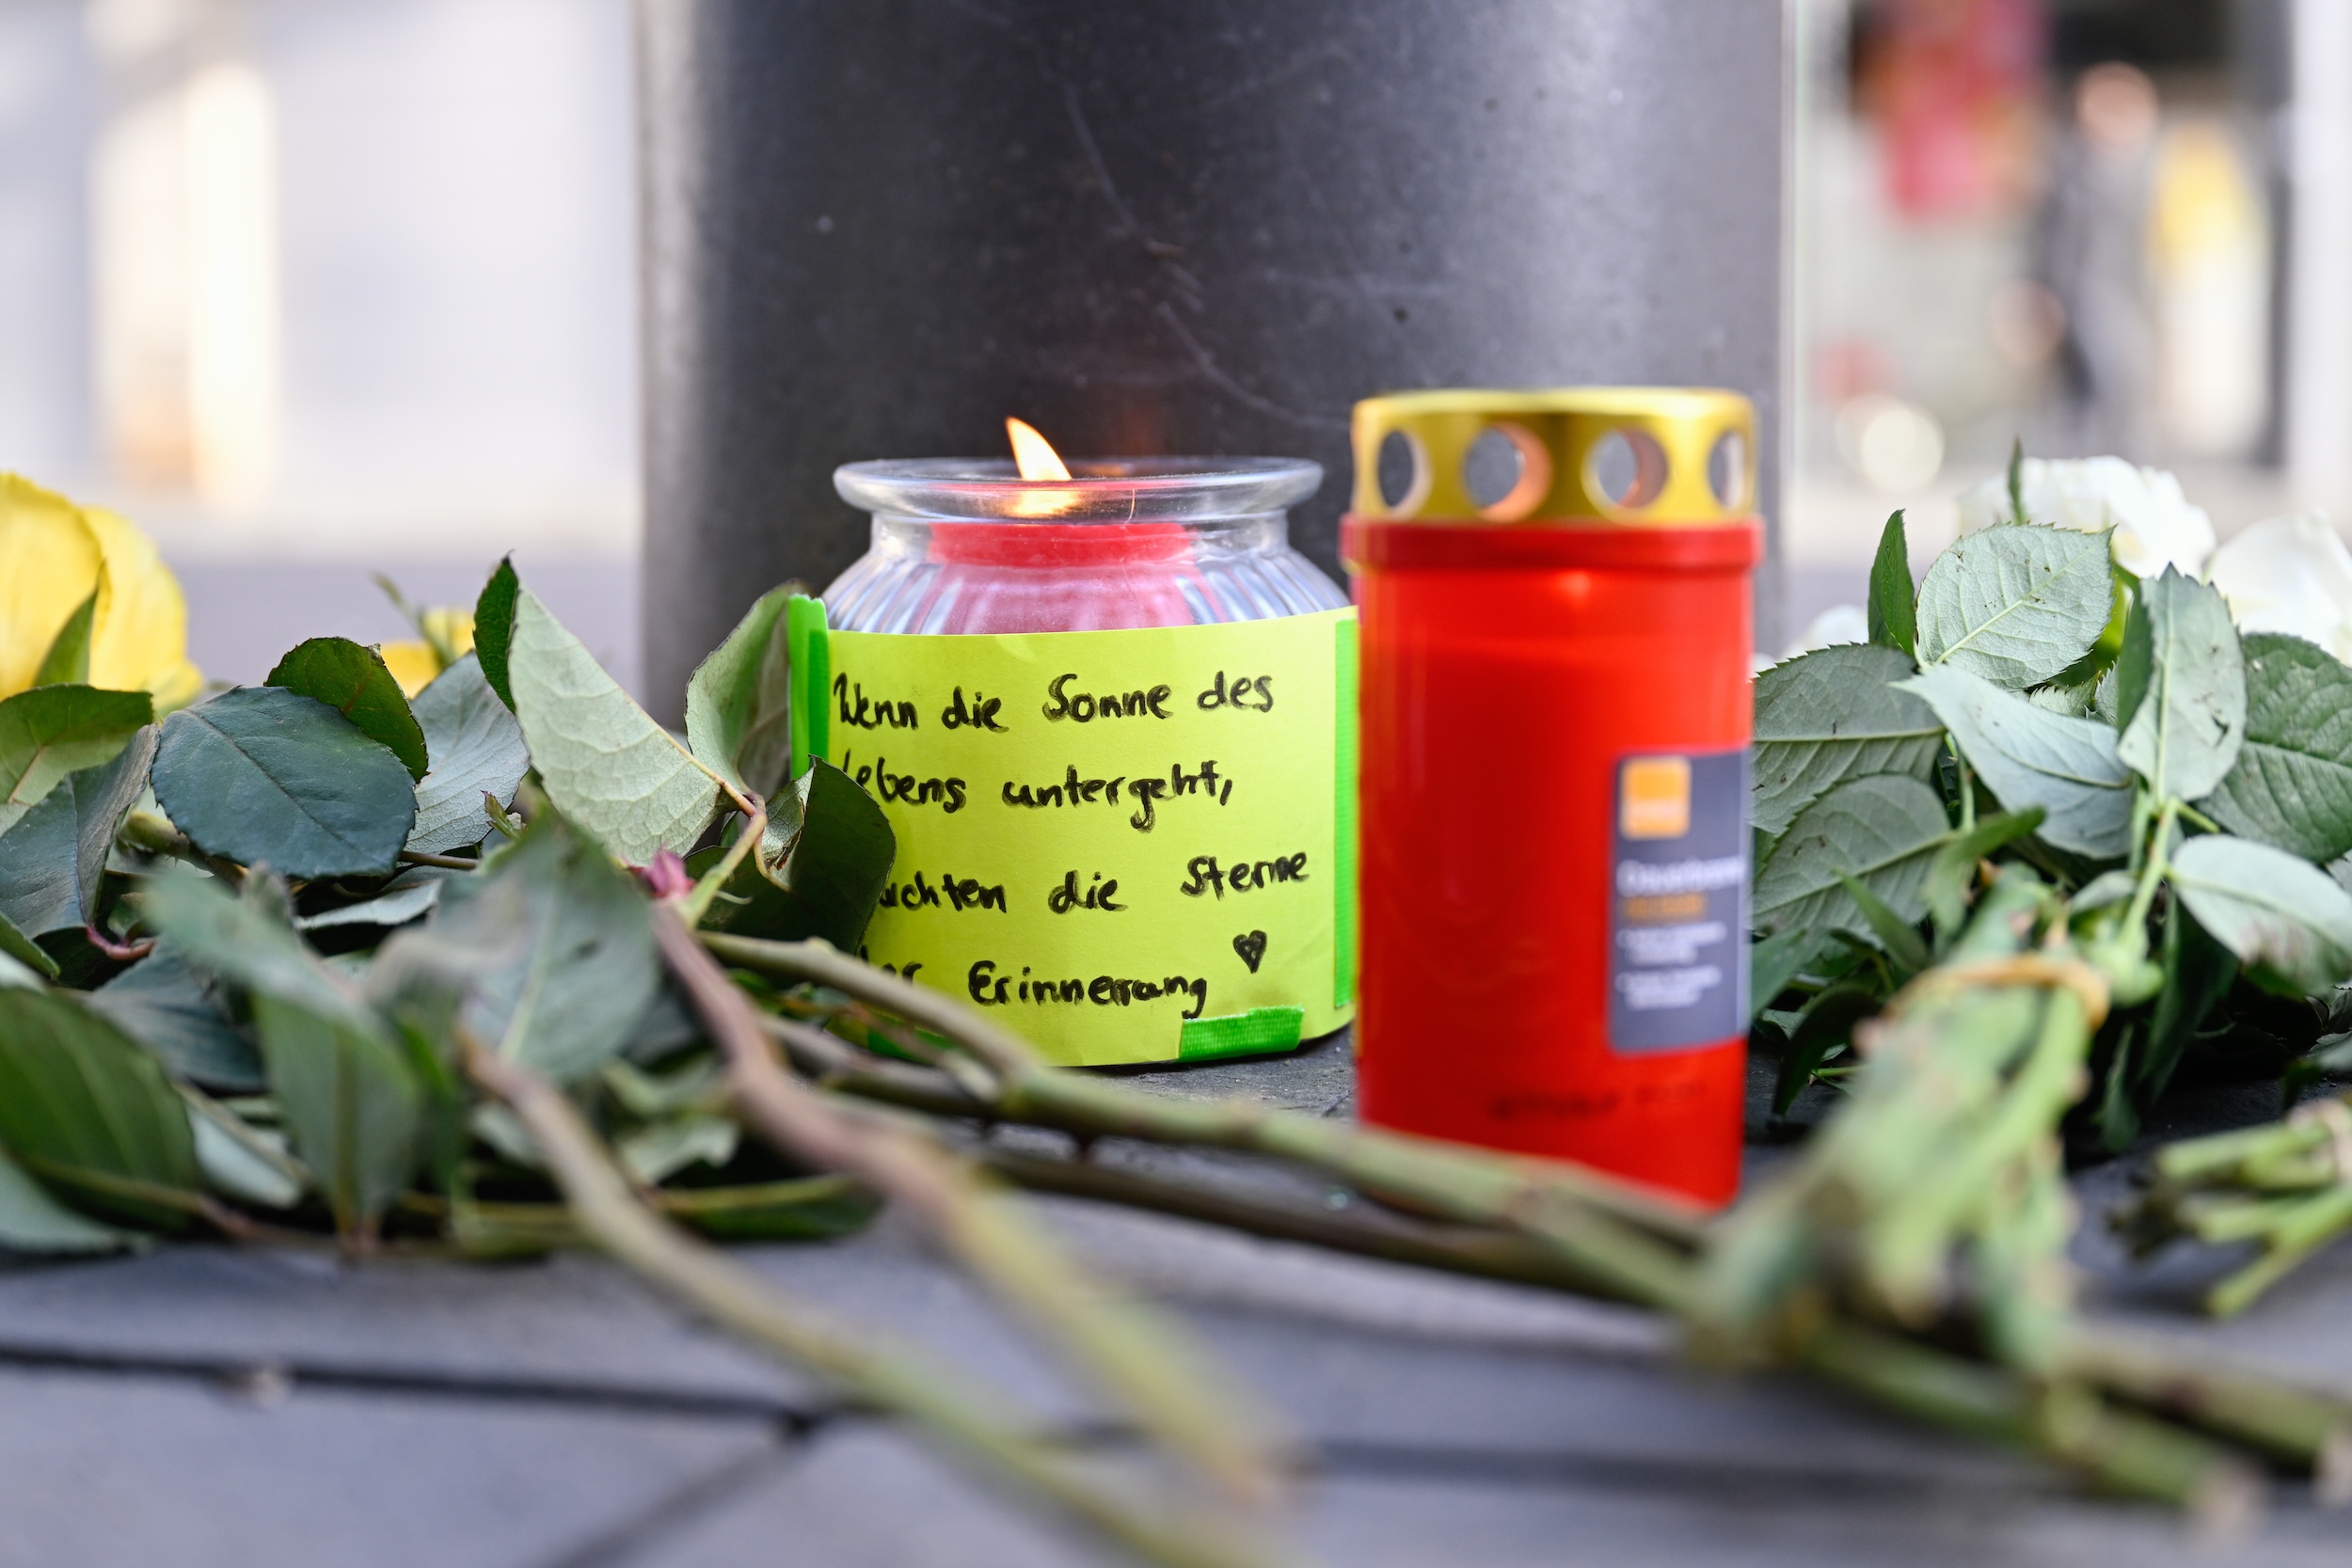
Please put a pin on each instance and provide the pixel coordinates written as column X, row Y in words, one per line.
column 412, row 664
column 448, row 638
column 53, row 556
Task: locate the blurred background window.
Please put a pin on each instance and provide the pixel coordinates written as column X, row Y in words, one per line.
column 312, row 286
column 2097, row 226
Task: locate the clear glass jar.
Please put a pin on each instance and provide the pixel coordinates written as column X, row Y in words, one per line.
column 966, row 545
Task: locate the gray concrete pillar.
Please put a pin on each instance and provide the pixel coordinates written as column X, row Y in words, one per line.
column 875, row 227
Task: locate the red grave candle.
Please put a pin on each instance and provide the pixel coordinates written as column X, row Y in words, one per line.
column 1554, row 720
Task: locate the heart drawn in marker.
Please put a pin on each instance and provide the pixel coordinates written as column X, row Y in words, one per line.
column 1251, row 948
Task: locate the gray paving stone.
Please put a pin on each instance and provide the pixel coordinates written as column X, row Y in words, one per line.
column 868, row 1497
column 1349, row 1351
column 1319, row 1077
column 1366, row 1355
column 571, row 1321
column 1422, row 1522
column 121, row 1472
column 574, row 1321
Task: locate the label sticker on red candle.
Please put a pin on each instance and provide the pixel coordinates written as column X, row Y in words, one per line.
column 1123, row 845
column 1677, row 905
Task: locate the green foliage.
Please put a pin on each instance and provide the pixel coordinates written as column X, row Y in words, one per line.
column 352, row 1104
column 1832, row 715
column 245, row 941
column 21, row 949
column 353, row 682
column 31, row 1221
column 1826, row 1023
column 819, row 868
column 67, row 662
column 738, row 705
column 350, row 1101
column 1955, row 864
column 240, row 1162
column 477, row 749
column 177, row 1013
column 554, row 944
column 1881, row 831
column 814, row 1209
column 265, row 776
column 2292, row 783
column 2115, row 734
column 1896, row 936
column 51, row 862
column 90, row 1113
column 494, row 627
column 1894, row 609
column 2180, row 688
column 618, row 776
column 660, row 1150
column 2030, row 757
column 52, row 730
column 102, row 796
column 38, row 892
column 2286, row 920
column 2197, row 973
column 405, row 898
column 1775, row 960
column 344, row 1071
column 2015, row 604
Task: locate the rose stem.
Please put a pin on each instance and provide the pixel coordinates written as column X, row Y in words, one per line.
column 1143, row 1361
column 896, row 1380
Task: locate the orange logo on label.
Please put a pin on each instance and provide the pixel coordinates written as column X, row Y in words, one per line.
column 1654, row 798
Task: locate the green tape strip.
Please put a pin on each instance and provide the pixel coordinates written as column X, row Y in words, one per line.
column 805, row 639
column 1249, row 1034
column 1343, row 816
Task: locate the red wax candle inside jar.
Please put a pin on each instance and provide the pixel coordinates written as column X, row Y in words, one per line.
column 1555, row 713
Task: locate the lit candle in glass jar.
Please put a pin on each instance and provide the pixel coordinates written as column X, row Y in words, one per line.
column 1109, row 713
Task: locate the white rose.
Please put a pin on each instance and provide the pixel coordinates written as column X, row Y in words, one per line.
column 2290, row 575
column 2155, row 526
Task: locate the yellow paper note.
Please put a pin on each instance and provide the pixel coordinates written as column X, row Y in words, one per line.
column 1123, row 845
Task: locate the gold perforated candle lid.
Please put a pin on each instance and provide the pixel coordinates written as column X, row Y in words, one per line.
column 1637, row 456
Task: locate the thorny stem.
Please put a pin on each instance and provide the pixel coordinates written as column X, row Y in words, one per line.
column 2313, row 1223
column 2118, row 1450
column 1557, row 1225
column 1454, row 1249
column 1931, row 1385
column 1458, row 1183
column 895, row 1379
column 2309, row 1430
column 1905, row 1244
column 833, row 1065
column 1172, row 1391
column 2285, row 1186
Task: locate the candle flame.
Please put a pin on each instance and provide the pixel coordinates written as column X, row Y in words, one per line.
column 1033, row 453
